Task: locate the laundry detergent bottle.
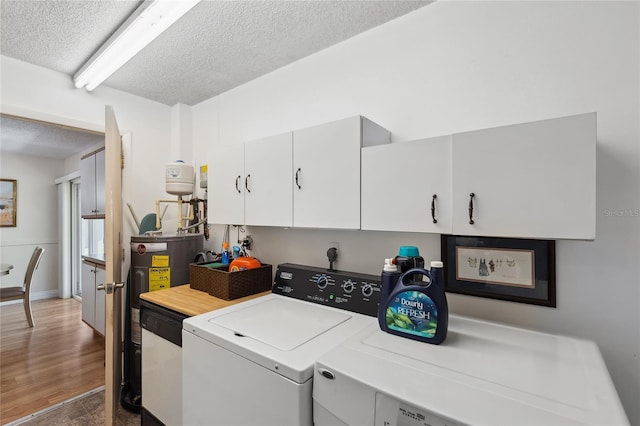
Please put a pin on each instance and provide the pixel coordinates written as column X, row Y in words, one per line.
column 414, row 309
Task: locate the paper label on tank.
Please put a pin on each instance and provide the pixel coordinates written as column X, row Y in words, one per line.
column 159, row 278
column 413, row 312
column 158, row 261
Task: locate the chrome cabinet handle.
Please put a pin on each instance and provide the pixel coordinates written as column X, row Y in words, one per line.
column 433, row 208
column 246, row 185
column 237, row 180
column 471, row 222
column 297, row 173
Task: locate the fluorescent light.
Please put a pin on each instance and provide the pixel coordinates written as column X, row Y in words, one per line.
column 142, row 27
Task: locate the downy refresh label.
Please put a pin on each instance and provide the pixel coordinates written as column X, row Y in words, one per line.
column 413, row 312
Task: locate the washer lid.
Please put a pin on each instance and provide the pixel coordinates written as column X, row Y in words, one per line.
column 280, row 323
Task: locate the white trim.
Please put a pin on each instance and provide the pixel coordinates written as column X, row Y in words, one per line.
column 50, row 118
column 40, row 295
column 68, row 178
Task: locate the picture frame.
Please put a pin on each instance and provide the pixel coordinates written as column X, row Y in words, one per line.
column 511, row 269
column 8, row 202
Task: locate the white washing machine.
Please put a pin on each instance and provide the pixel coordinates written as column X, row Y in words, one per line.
column 252, row 363
column 483, row 374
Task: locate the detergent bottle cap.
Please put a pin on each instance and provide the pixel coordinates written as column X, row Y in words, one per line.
column 409, row 251
column 437, row 264
column 389, row 266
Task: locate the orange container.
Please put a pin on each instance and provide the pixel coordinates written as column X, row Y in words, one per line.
column 244, row 263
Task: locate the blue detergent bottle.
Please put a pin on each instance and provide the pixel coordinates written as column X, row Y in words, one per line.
column 415, row 309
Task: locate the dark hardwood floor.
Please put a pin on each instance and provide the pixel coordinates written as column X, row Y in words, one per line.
column 60, row 358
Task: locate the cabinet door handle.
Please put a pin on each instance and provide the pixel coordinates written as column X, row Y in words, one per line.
column 471, row 222
column 297, row 173
column 433, row 208
column 237, row 180
column 246, row 185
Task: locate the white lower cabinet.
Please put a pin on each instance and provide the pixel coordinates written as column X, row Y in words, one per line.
column 93, row 300
column 531, row 180
column 406, row 186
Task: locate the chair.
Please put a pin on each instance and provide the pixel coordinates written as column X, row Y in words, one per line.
column 24, row 292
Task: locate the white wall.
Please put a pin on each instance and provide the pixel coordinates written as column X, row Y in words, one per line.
column 458, row 66
column 37, row 222
column 37, row 92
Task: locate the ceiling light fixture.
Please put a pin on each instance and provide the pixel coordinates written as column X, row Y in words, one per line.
column 143, row 26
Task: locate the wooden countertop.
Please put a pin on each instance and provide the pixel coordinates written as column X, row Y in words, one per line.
column 191, row 302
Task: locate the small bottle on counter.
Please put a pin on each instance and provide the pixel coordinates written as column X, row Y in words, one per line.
column 390, row 275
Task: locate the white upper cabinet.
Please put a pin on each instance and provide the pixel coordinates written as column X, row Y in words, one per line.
column 326, row 172
column 92, row 185
column 406, row 186
column 226, row 185
column 531, row 180
column 268, row 181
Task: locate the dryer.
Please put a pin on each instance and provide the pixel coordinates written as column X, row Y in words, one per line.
column 484, row 373
column 252, row 363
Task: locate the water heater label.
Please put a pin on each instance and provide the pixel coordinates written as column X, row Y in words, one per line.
column 160, row 261
column 159, row 278
column 413, row 312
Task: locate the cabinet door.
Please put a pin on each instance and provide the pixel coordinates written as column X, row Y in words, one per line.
column 399, row 182
column 100, row 301
column 268, row 181
column 226, row 185
column 88, row 294
column 99, row 182
column 532, row 180
column 326, row 173
column 88, row 186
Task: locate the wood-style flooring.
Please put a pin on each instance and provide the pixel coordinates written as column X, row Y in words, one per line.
column 60, row 358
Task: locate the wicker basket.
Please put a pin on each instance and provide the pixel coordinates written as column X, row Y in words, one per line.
column 230, row 285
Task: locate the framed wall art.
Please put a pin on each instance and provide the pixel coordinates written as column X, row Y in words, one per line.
column 517, row 270
column 8, row 206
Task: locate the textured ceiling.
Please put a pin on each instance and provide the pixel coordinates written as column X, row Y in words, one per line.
column 34, row 138
column 216, row 46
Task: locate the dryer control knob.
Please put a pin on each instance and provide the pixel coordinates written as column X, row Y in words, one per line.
column 367, row 290
column 326, row 373
column 322, row 281
column 348, row 286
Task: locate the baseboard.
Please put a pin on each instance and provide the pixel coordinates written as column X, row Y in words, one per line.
column 40, row 295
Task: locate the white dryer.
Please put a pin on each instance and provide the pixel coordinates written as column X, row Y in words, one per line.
column 484, row 373
column 252, row 363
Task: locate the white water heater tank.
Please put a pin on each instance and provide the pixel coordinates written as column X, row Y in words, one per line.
column 180, row 178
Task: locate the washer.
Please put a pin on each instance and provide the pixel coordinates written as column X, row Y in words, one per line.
column 252, row 363
column 483, row 374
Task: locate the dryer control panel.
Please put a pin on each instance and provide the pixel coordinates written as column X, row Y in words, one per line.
column 351, row 291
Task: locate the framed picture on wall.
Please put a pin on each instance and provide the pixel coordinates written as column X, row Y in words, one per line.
column 517, row 270
column 8, row 206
